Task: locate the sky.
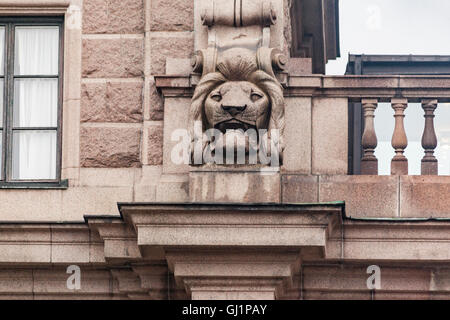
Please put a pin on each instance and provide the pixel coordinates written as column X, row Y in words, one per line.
column 398, row 27
column 392, row 27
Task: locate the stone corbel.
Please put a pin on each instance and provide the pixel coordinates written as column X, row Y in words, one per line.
column 129, row 284
column 230, row 274
column 231, row 251
column 119, row 239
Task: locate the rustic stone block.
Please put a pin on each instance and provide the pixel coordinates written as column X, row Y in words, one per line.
column 364, row 196
column 115, row 58
column 174, row 47
column 112, row 16
column 155, row 145
column 110, row 147
column 95, row 16
column 111, row 102
column 93, row 101
column 300, row 189
column 175, row 15
column 425, row 196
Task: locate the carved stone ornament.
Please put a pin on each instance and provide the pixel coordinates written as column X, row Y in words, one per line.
column 238, row 102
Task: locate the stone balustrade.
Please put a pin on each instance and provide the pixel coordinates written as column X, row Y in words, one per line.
column 399, row 163
column 369, row 91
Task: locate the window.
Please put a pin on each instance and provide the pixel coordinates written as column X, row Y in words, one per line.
column 31, row 86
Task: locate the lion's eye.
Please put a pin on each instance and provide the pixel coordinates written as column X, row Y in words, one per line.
column 216, row 97
column 256, row 96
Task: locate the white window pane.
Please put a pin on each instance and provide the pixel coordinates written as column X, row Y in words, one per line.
column 1, row 153
column 36, row 51
column 1, row 102
column 35, row 102
column 414, row 125
column 384, row 127
column 384, row 153
column 34, row 155
column 442, row 126
column 2, row 50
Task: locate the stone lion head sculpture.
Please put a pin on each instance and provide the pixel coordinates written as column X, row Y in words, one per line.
column 238, row 96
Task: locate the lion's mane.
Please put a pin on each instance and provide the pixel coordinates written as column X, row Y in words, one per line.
column 237, row 69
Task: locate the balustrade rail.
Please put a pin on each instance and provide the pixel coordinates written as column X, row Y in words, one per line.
column 369, row 92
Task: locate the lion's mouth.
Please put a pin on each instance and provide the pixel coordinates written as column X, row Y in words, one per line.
column 234, row 124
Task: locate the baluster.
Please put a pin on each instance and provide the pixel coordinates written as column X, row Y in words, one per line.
column 399, row 163
column 429, row 139
column 369, row 162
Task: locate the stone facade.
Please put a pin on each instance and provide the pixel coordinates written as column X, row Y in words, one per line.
column 307, row 230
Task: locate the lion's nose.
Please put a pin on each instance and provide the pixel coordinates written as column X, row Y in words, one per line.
column 233, row 110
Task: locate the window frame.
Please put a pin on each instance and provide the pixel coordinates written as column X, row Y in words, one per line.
column 10, row 23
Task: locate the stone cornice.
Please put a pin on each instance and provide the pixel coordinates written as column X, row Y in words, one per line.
column 414, row 88
column 393, row 240
column 219, row 250
column 31, row 244
column 209, row 249
column 227, row 225
column 111, row 241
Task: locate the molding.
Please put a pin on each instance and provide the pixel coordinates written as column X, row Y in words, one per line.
column 392, row 240
column 111, row 241
column 31, row 244
column 29, row 7
column 355, row 88
column 251, row 251
column 174, row 251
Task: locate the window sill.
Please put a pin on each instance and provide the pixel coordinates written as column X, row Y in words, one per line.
column 62, row 185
